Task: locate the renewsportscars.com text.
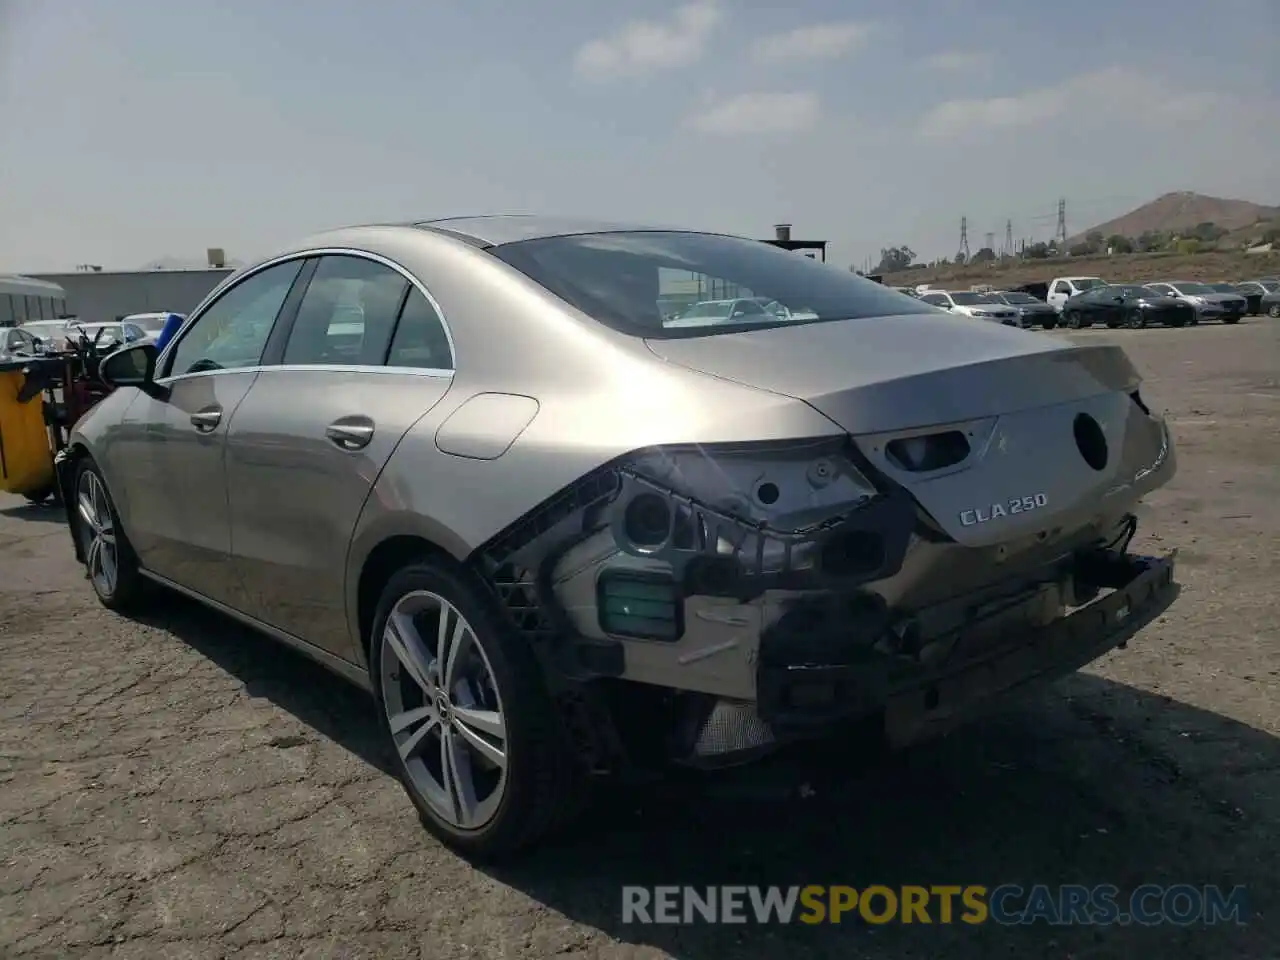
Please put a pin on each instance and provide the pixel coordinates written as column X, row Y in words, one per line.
column 1007, row 904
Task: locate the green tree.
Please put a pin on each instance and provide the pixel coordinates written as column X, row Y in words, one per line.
column 1208, row 232
column 1037, row 251
column 894, row 259
column 1188, row 245
column 985, row 255
column 1119, row 244
column 1152, row 241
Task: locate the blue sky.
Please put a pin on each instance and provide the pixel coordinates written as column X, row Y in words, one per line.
column 133, row 129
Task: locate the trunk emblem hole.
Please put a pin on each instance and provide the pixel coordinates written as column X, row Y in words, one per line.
column 1090, row 441
column 922, row 454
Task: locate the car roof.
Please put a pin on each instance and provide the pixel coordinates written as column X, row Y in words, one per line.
column 496, row 229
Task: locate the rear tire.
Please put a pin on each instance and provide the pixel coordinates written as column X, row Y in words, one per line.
column 1074, row 319
column 1273, row 311
column 109, row 560
column 1135, row 320
column 479, row 706
column 1049, row 322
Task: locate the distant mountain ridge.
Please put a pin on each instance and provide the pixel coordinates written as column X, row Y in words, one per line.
column 1182, row 212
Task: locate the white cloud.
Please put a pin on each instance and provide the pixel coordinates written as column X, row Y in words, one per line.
column 641, row 46
column 1086, row 97
column 758, row 113
column 957, row 61
column 819, row 41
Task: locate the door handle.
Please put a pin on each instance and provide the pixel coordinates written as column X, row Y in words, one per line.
column 207, row 419
column 350, row 433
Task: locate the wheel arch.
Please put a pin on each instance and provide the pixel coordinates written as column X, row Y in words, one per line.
column 378, row 564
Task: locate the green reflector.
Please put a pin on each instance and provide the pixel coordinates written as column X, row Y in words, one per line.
column 639, row 606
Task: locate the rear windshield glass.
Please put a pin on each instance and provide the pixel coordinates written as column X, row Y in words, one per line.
column 671, row 284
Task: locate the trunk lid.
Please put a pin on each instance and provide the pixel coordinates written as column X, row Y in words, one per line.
column 897, row 373
column 1017, row 399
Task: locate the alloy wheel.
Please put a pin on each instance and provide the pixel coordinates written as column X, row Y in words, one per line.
column 97, row 533
column 444, row 710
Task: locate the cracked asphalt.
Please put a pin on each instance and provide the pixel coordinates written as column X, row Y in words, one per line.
column 178, row 787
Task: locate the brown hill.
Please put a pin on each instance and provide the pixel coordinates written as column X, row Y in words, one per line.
column 1130, row 268
column 1182, row 211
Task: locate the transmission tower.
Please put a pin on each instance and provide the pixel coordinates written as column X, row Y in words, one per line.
column 964, row 239
column 1008, row 238
column 1060, row 234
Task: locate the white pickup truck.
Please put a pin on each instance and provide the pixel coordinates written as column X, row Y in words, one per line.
column 1063, row 287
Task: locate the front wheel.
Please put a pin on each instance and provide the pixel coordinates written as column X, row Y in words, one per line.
column 1049, row 322
column 1135, row 320
column 1273, row 311
column 477, row 743
column 1074, row 319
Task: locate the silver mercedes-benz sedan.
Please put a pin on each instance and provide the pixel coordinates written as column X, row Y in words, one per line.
column 473, row 466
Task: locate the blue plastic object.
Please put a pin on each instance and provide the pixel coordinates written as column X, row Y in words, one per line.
column 171, row 325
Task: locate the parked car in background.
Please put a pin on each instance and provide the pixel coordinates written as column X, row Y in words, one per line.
column 151, row 323
column 1031, row 311
column 554, row 538
column 1126, row 305
column 1254, row 290
column 782, row 311
column 17, row 342
column 707, row 312
column 47, row 333
column 104, row 336
column 1063, row 288
column 1209, row 303
column 981, row 306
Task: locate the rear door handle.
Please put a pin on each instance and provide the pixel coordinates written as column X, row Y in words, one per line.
column 207, row 419
column 350, row 433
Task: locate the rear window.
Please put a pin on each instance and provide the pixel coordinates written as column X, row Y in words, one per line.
column 624, row 279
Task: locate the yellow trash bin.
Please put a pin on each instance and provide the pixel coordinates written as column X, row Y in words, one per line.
column 26, row 459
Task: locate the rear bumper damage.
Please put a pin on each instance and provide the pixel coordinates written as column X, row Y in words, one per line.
column 970, row 672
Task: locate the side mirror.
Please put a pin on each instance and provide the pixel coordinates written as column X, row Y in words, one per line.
column 133, row 366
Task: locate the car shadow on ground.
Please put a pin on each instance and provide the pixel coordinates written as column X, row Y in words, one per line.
column 328, row 704
column 1089, row 782
column 50, row 511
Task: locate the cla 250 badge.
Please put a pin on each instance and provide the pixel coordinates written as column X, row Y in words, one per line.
column 1007, row 509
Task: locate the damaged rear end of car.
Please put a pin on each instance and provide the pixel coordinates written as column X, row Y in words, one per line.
column 962, row 533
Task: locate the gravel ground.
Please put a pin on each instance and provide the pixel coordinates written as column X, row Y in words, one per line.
column 180, row 788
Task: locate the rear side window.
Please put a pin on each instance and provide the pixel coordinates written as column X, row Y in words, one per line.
column 348, row 314
column 420, row 340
